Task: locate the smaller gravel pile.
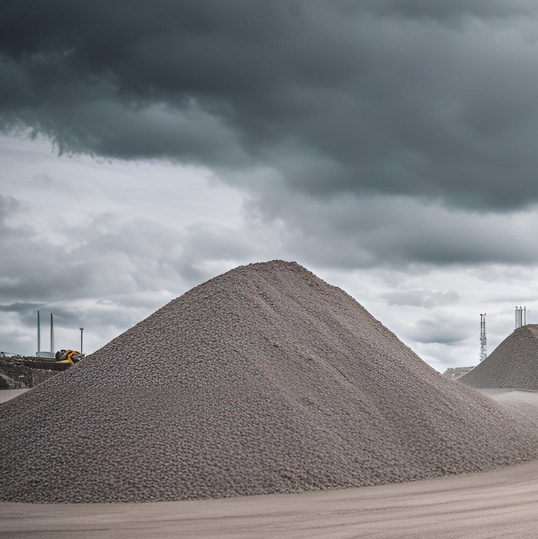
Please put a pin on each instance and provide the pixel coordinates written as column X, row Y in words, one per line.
column 513, row 364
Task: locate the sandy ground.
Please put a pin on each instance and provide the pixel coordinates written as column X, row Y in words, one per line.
column 522, row 401
column 498, row 504
column 8, row 394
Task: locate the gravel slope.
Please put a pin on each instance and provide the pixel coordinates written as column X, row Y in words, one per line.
column 513, row 364
column 263, row 380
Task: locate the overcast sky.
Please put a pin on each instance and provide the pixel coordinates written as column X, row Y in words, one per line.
column 390, row 146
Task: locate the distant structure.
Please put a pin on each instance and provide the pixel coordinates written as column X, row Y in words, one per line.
column 521, row 316
column 455, row 372
column 483, row 338
column 41, row 353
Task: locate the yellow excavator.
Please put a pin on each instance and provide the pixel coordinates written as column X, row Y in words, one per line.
column 68, row 356
column 62, row 360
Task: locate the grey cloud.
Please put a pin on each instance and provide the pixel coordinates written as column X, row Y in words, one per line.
column 386, row 97
column 22, row 308
column 105, row 256
column 101, row 324
column 8, row 206
column 105, row 274
column 421, row 298
column 206, row 246
column 439, row 329
column 64, row 313
column 44, row 181
column 107, row 128
column 398, row 232
column 457, row 9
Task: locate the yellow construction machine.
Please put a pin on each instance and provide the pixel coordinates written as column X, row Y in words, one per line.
column 68, row 356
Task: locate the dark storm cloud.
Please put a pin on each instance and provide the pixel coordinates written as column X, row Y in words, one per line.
column 421, row 98
column 19, row 307
column 398, row 232
column 454, row 10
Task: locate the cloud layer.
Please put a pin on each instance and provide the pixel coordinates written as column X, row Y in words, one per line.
column 398, row 97
column 389, row 144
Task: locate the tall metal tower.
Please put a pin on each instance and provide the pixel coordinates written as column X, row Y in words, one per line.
column 483, row 338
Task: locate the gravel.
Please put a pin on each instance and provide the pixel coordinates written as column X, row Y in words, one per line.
column 265, row 379
column 513, row 364
column 14, row 375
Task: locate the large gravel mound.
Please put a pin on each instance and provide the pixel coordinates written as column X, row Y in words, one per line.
column 265, row 379
column 513, row 364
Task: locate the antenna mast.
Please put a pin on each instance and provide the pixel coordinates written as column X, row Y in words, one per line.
column 483, row 338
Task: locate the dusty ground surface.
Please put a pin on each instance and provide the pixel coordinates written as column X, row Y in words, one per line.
column 490, row 505
column 524, row 402
column 500, row 504
column 8, row 394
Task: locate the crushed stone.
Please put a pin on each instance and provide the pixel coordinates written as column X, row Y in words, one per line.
column 513, row 364
column 263, row 380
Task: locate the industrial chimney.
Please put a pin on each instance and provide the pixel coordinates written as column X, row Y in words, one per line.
column 521, row 316
column 41, row 353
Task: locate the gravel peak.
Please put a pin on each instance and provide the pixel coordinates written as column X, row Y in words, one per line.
column 263, row 380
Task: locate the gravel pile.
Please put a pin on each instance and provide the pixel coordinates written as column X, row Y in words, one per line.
column 513, row 364
column 262, row 380
column 13, row 375
column 7, row 382
column 25, row 372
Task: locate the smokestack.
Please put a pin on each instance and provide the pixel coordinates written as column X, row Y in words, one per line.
column 38, row 334
column 51, row 334
column 521, row 316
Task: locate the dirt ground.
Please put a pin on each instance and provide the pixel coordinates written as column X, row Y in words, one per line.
column 8, row 394
column 498, row 504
